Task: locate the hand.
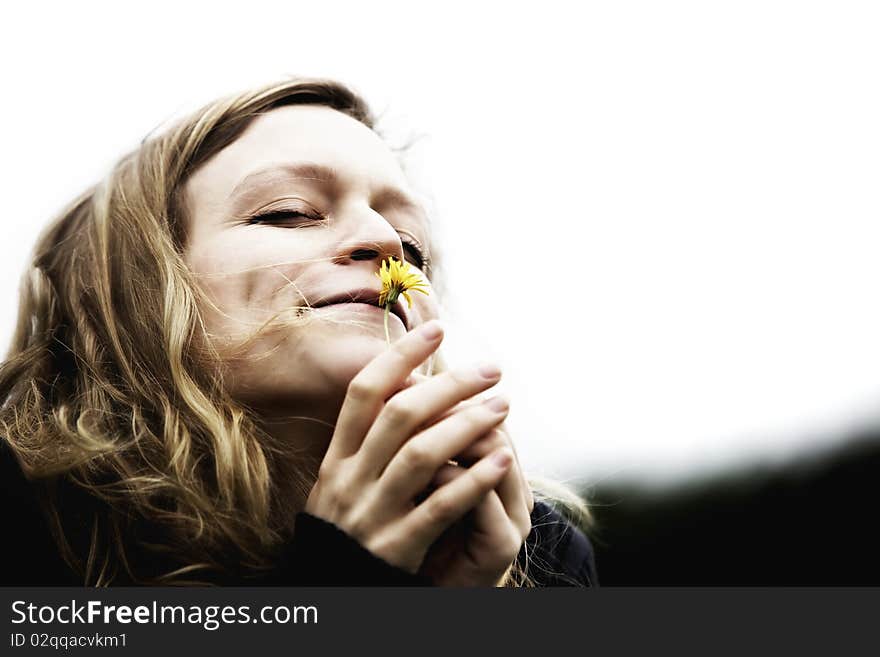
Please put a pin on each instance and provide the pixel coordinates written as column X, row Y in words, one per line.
column 497, row 438
column 478, row 550
column 388, row 445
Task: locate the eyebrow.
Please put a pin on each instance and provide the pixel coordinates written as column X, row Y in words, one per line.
column 325, row 174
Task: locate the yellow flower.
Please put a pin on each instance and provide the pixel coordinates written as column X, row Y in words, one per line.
column 397, row 279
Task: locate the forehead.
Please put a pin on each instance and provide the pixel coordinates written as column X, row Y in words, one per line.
column 300, row 133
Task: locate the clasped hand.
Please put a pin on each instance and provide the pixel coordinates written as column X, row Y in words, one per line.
column 386, row 479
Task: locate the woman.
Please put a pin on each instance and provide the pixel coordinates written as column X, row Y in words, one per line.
column 201, row 388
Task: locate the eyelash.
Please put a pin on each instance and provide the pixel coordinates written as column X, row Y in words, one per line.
column 277, row 215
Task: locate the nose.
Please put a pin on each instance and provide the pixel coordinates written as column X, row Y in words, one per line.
column 370, row 238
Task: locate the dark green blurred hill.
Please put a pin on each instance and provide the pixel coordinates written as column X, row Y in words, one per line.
column 814, row 522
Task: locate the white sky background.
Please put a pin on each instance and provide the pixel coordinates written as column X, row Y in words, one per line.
column 661, row 219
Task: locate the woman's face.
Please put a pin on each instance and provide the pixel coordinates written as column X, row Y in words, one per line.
column 340, row 204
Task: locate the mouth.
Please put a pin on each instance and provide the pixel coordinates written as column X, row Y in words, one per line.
column 367, row 296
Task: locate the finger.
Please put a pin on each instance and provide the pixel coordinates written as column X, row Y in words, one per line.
column 445, row 474
column 413, row 466
column 527, row 488
column 454, row 409
column 469, row 455
column 450, row 502
column 495, row 439
column 449, row 411
column 377, row 381
column 494, row 529
column 513, row 488
column 495, row 535
column 416, row 406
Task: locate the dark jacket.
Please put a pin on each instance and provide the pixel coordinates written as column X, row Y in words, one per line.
column 320, row 554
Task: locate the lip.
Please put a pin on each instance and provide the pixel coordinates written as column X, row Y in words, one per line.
column 363, row 295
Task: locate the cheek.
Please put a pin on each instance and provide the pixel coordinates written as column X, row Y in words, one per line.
column 304, row 372
column 243, row 290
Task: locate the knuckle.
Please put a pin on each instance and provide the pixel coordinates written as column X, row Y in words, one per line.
column 383, row 545
column 417, row 455
column 340, row 502
column 440, row 509
column 394, row 547
column 330, row 469
column 398, row 411
column 493, row 440
column 326, row 471
column 480, row 414
column 484, row 445
column 459, row 377
column 340, row 491
column 360, row 389
column 356, row 526
column 470, row 419
column 486, row 476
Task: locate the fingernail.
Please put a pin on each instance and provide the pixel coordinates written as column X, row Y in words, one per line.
column 431, row 330
column 498, row 404
column 489, row 371
column 503, row 458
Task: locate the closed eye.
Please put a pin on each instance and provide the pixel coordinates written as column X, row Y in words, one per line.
column 417, row 258
column 413, row 251
column 280, row 216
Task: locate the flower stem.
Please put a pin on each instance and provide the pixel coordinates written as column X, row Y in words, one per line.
column 387, row 334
